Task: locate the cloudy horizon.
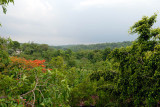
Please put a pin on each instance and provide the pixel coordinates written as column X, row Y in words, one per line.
column 64, row 22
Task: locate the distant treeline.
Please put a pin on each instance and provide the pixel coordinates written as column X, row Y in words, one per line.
column 94, row 46
column 35, row 75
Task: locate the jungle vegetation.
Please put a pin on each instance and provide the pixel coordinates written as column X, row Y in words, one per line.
column 38, row 75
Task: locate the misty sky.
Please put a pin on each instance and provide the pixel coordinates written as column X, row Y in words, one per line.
column 62, row 22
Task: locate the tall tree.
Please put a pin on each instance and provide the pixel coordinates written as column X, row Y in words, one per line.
column 16, row 45
column 144, row 28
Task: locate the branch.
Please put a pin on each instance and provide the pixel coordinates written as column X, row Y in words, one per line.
column 32, row 91
column 33, row 88
column 27, row 103
column 41, row 93
column 34, row 98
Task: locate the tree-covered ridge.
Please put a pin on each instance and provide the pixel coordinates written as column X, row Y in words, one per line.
column 37, row 75
column 95, row 46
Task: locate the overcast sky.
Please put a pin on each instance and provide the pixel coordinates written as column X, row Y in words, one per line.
column 62, row 22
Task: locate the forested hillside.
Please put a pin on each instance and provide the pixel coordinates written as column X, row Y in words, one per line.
column 37, row 75
column 102, row 75
column 95, row 46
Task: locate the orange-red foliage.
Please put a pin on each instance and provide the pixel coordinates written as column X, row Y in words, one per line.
column 27, row 64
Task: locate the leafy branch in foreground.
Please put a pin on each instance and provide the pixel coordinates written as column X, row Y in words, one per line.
column 4, row 4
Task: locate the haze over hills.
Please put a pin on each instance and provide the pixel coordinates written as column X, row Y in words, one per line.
column 98, row 46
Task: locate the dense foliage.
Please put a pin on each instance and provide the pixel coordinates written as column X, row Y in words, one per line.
column 37, row 75
column 76, row 48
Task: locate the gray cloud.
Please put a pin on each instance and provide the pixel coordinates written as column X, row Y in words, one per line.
column 60, row 22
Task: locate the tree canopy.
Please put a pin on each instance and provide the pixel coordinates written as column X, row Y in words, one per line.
column 144, row 28
column 96, row 75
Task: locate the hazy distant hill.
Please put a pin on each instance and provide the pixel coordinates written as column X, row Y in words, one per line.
column 94, row 46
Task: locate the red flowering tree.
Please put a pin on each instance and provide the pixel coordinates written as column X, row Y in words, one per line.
column 27, row 64
column 30, row 83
